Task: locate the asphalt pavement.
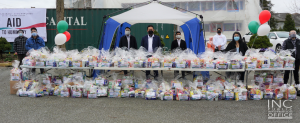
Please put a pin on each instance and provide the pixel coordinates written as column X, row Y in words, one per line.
column 53, row 109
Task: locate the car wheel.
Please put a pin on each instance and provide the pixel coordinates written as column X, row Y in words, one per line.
column 278, row 48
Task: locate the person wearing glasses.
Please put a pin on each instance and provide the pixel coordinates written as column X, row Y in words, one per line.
column 35, row 42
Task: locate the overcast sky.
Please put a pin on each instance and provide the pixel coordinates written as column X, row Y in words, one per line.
column 280, row 6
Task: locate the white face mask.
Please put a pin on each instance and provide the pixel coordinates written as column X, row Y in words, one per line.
column 178, row 36
column 127, row 32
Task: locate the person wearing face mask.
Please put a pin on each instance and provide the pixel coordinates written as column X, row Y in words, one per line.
column 178, row 43
column 239, row 46
column 19, row 46
column 127, row 41
column 35, row 42
column 151, row 42
column 219, row 40
column 293, row 43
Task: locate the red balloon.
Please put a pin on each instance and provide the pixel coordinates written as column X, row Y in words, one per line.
column 264, row 16
column 68, row 35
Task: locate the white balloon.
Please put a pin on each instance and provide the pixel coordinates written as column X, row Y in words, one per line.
column 263, row 29
column 60, row 39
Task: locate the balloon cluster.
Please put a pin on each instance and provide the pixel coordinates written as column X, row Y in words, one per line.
column 263, row 28
column 63, row 35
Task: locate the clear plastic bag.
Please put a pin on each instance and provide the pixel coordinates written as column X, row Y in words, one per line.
column 15, row 73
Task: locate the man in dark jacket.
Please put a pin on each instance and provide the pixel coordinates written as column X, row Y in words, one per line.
column 293, row 43
column 178, row 43
column 151, row 42
column 35, row 42
column 127, row 41
column 19, row 46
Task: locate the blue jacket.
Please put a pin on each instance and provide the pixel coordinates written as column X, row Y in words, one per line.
column 155, row 43
column 34, row 43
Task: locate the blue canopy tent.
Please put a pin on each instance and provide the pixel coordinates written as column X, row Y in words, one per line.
column 190, row 25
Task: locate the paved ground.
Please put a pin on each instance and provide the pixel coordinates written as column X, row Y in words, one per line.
column 55, row 109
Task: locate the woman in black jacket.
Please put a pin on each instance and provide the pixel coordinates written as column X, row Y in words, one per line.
column 237, row 44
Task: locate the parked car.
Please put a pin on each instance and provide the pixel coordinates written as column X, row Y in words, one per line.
column 247, row 37
column 277, row 38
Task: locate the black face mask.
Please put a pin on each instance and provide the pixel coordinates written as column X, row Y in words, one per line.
column 150, row 32
column 219, row 31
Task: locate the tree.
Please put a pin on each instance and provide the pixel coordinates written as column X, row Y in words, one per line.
column 294, row 6
column 4, row 45
column 267, row 5
column 260, row 42
column 289, row 23
column 161, row 40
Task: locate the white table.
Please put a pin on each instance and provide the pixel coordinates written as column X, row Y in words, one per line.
column 70, row 68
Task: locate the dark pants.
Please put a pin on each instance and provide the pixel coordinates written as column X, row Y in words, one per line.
column 41, row 70
column 125, row 72
column 296, row 73
column 20, row 58
column 176, row 73
column 148, row 74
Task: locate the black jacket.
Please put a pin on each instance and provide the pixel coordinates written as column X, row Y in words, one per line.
column 174, row 45
column 124, row 43
column 19, row 44
column 232, row 48
column 289, row 45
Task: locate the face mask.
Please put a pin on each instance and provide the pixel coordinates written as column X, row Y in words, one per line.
column 178, row 36
column 219, row 31
column 33, row 34
column 20, row 34
column 236, row 38
column 293, row 35
column 127, row 32
column 150, row 32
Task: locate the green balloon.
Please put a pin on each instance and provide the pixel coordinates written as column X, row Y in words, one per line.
column 62, row 26
column 253, row 26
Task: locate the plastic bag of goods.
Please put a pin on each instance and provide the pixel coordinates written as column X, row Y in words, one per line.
column 15, row 73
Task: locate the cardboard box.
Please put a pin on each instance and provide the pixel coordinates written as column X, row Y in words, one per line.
column 12, row 89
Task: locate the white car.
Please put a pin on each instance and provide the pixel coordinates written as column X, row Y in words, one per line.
column 277, row 38
column 247, row 37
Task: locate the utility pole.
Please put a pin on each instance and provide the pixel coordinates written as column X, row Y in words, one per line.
column 60, row 16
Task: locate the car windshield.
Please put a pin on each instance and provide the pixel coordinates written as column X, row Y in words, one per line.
column 283, row 34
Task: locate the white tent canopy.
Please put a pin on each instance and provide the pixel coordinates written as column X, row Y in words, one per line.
column 159, row 14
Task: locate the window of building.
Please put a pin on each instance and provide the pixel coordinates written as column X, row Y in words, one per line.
column 206, row 27
column 238, row 26
column 242, row 4
column 215, row 26
column 229, row 27
column 220, row 5
column 206, row 6
column 194, row 6
column 182, row 5
column 233, row 5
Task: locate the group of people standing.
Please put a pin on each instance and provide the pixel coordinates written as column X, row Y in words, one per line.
column 22, row 44
column 151, row 42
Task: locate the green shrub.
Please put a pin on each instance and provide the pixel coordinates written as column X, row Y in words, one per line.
column 260, row 42
column 4, row 45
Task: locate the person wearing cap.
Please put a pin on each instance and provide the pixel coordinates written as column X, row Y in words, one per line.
column 289, row 44
column 19, row 46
